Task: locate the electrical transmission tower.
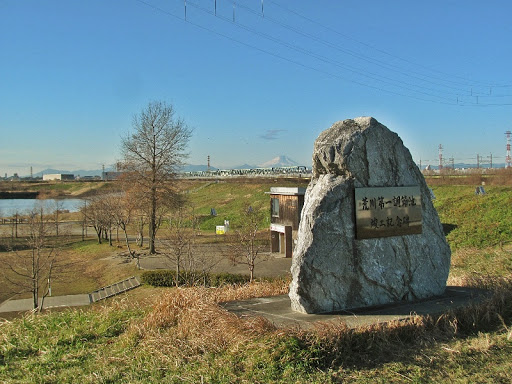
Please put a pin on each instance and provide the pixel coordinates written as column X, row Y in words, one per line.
column 508, row 158
column 440, row 157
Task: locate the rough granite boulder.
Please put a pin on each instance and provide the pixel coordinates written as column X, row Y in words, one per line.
column 331, row 269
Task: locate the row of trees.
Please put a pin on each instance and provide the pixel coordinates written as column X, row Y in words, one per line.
column 152, row 154
column 179, row 240
column 52, row 214
column 34, row 259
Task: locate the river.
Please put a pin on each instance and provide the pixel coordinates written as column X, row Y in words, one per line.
column 9, row 207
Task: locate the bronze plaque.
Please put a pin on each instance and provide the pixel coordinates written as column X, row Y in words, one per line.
column 387, row 211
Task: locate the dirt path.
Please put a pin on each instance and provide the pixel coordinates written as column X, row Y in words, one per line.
column 267, row 264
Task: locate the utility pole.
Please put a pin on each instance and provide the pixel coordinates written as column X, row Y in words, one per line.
column 440, row 157
column 508, row 159
column 452, row 161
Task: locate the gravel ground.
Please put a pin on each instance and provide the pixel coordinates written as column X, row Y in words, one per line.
column 267, row 264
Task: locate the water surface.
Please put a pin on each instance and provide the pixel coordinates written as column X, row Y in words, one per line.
column 8, row 207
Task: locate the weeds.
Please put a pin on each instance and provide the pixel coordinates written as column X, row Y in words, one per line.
column 186, row 335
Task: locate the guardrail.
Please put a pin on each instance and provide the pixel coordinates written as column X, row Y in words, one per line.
column 299, row 171
column 114, row 289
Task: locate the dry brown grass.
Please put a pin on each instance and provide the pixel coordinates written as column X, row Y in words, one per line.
column 372, row 345
column 474, row 177
column 186, row 323
column 186, row 335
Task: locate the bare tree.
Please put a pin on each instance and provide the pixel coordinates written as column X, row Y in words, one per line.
column 247, row 240
column 123, row 209
column 141, row 222
column 83, row 210
column 31, row 270
column 97, row 213
column 136, row 201
column 59, row 207
column 191, row 261
column 153, row 153
column 14, row 220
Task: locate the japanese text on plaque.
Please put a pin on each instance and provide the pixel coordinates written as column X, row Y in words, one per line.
column 387, row 211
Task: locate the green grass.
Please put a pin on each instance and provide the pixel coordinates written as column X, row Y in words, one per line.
column 181, row 335
column 89, row 266
column 477, row 221
column 60, row 189
column 230, row 198
column 61, row 347
column 185, row 338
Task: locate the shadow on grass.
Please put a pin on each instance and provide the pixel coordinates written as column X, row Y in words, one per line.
column 447, row 228
column 334, row 346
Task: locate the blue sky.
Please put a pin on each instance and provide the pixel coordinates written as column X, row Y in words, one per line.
column 251, row 85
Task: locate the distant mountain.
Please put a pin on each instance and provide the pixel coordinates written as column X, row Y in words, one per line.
column 280, row 161
column 49, row 171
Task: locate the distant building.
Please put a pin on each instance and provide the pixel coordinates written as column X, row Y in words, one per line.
column 88, row 178
column 109, row 176
column 285, row 208
column 59, row 176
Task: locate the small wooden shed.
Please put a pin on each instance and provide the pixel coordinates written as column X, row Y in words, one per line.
column 285, row 208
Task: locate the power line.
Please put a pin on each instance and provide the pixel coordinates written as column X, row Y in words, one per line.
column 426, row 91
column 386, row 65
column 467, row 82
column 413, row 91
column 368, row 59
column 371, row 75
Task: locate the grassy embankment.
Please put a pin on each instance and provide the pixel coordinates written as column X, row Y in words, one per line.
column 94, row 265
column 57, row 189
column 175, row 336
column 88, row 266
column 229, row 199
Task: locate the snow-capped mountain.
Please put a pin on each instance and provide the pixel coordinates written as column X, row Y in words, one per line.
column 279, row 161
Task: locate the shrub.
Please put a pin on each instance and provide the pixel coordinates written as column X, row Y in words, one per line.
column 167, row 278
column 220, row 279
column 159, row 278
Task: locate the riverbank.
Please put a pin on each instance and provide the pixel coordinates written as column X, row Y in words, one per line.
column 18, row 195
column 55, row 189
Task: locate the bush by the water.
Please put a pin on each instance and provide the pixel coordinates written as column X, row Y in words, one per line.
column 167, row 278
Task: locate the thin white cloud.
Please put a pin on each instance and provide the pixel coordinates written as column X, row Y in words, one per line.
column 272, row 134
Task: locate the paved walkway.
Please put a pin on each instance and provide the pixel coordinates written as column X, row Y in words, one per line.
column 21, row 305
column 278, row 309
column 267, row 264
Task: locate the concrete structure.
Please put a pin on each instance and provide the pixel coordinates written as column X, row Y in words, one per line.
column 59, row 176
column 278, row 311
column 285, row 208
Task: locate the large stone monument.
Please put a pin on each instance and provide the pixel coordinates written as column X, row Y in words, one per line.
column 368, row 234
